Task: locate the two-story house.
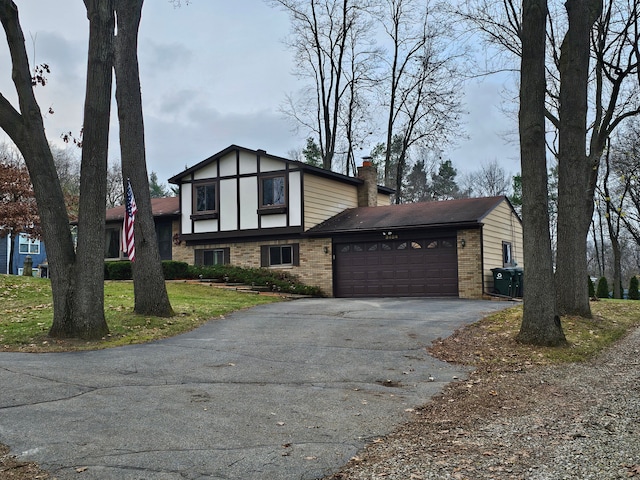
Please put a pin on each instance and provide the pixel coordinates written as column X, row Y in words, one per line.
column 249, row 208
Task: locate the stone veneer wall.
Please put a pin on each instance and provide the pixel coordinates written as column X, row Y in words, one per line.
column 470, row 264
column 314, row 269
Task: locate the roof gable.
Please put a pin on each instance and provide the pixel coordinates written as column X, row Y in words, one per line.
column 462, row 212
column 176, row 179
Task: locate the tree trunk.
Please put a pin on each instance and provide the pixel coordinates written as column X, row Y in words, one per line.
column 148, row 279
column 575, row 203
column 89, row 298
column 26, row 130
column 540, row 322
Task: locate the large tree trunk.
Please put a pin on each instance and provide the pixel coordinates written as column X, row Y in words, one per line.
column 148, row 280
column 26, row 130
column 89, row 299
column 540, row 322
column 575, row 199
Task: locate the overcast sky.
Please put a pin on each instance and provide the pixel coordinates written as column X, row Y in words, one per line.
column 213, row 73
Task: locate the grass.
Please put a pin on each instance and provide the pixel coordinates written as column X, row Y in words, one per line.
column 26, row 313
column 612, row 319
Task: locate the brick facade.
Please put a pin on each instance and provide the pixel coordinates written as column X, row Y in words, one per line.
column 315, row 267
column 469, row 264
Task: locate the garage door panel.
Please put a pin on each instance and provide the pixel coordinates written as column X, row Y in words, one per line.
column 397, row 268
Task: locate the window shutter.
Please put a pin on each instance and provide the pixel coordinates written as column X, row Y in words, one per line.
column 296, row 254
column 264, row 255
column 199, row 260
column 227, row 255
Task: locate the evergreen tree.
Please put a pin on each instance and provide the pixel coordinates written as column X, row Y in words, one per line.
column 603, row 288
column 156, row 189
column 312, row 154
column 443, row 184
column 633, row 289
column 417, row 189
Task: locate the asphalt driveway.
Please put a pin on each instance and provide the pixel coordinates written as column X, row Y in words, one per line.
column 283, row 391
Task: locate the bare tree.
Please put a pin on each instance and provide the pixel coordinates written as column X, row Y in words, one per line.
column 540, row 321
column 612, row 37
column 575, row 194
column 148, row 279
column 324, row 37
column 25, row 128
column 421, row 84
column 489, row 181
column 88, row 307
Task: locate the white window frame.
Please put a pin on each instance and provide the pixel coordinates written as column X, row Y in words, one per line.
column 32, row 245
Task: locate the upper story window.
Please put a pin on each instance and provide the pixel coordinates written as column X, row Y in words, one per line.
column 27, row 245
column 272, row 191
column 205, row 199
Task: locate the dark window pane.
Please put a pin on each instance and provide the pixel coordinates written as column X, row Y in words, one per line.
column 206, row 198
column 274, row 256
column 373, row 247
column 273, row 191
column 207, row 257
column 344, row 249
column 386, row 246
column 447, row 244
column 287, row 255
column 112, row 243
column 402, row 246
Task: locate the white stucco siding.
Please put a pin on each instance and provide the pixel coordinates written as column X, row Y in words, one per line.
column 248, row 163
column 273, row 221
column 248, row 203
column 228, row 165
column 270, row 165
column 205, row 226
column 228, row 205
column 295, row 199
column 185, row 208
column 208, row 171
column 324, row 198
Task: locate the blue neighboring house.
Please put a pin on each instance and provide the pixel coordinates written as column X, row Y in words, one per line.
column 23, row 246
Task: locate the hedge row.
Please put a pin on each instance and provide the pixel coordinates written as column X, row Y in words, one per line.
column 272, row 280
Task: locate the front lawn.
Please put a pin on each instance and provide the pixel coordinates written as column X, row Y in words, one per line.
column 26, row 313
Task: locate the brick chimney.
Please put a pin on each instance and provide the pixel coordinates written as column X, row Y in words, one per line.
column 368, row 191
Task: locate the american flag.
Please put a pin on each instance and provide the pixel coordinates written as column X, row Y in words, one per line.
column 128, row 242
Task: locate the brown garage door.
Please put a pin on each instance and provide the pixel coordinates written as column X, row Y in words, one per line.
column 397, row 268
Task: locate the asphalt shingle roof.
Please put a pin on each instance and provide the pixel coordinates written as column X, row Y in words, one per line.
column 161, row 207
column 466, row 211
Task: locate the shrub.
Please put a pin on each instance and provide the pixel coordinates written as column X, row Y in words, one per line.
column 592, row 288
column 277, row 281
column 117, row 270
column 603, row 288
column 173, row 270
column 633, row 289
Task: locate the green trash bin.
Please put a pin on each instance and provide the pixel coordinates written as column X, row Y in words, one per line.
column 502, row 281
column 517, row 282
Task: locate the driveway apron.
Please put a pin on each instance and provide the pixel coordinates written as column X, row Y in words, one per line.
column 290, row 390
